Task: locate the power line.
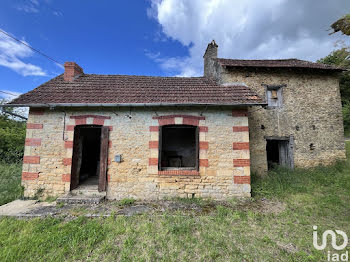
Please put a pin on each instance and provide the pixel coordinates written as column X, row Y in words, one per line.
column 8, row 93
column 23, row 43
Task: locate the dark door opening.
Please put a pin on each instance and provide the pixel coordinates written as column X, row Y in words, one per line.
column 279, row 153
column 178, row 147
column 89, row 163
column 91, row 143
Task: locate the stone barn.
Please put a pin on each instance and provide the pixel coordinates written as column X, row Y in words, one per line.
column 153, row 137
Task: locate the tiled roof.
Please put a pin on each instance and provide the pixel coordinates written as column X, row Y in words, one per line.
column 122, row 89
column 280, row 63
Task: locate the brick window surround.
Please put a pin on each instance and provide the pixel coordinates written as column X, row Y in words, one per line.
column 179, row 120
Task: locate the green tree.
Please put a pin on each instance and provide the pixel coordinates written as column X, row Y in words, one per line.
column 12, row 136
column 342, row 25
column 341, row 58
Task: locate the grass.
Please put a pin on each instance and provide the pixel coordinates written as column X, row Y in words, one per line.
column 10, row 182
column 319, row 196
column 126, row 202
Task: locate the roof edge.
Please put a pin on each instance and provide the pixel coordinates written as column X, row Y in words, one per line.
column 50, row 105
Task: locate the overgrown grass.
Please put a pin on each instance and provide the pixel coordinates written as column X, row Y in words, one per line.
column 319, row 196
column 126, row 202
column 10, row 182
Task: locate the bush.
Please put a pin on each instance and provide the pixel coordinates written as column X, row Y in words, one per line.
column 12, row 137
column 346, row 116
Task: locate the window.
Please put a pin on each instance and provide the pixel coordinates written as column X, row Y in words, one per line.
column 274, row 96
column 178, row 147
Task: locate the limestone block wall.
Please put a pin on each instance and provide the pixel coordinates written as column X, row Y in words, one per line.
column 224, row 158
column 310, row 112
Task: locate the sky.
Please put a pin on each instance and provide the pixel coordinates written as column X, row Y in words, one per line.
column 157, row 37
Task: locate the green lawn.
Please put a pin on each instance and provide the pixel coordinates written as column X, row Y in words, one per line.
column 279, row 230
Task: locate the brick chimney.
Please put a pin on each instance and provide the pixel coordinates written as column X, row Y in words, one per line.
column 71, row 71
column 210, row 52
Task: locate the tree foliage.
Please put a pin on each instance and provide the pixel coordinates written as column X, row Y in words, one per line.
column 342, row 25
column 341, row 58
column 12, row 136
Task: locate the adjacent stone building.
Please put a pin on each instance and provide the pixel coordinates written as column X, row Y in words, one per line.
column 155, row 137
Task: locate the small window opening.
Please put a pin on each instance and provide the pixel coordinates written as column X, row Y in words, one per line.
column 274, row 96
column 278, row 153
column 178, row 147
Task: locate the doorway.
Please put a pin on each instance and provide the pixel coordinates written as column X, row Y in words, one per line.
column 279, row 152
column 89, row 162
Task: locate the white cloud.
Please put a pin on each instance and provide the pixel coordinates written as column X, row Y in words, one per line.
column 11, row 55
column 31, row 6
column 8, row 95
column 249, row 29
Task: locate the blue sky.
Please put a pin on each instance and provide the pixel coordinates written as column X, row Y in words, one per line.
column 157, row 37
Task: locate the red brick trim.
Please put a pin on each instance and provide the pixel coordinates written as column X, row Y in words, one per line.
column 31, row 160
column 70, row 128
column 88, row 116
column 66, row 177
column 179, row 172
column 241, row 162
column 203, row 129
column 203, row 162
column 98, row 121
column 33, row 142
column 80, row 121
column 239, row 112
column 240, row 129
column 36, row 111
column 184, row 116
column 166, row 121
column 154, row 128
column 241, row 146
column 190, row 121
column 153, row 161
column 153, row 144
column 110, row 128
column 241, row 179
column 109, row 143
column 67, row 161
column 203, row 145
column 34, row 126
column 68, row 144
column 29, row 176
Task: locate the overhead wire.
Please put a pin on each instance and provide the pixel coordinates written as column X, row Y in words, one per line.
column 32, row 48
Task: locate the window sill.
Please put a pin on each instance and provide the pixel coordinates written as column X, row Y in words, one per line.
column 179, row 172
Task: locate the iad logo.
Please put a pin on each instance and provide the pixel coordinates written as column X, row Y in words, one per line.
column 335, row 256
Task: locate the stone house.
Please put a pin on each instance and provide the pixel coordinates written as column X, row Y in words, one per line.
column 153, row 137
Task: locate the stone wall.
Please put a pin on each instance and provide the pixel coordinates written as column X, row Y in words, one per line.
column 224, row 157
column 310, row 112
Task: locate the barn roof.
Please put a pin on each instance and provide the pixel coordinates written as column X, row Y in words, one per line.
column 277, row 63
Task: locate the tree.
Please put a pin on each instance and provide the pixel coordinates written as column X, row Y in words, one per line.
column 341, row 58
column 342, row 25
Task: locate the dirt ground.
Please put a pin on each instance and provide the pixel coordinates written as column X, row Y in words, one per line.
column 34, row 208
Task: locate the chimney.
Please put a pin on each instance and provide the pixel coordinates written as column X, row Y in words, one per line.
column 210, row 53
column 71, row 71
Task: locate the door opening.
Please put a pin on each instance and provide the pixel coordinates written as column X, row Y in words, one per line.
column 279, row 152
column 89, row 163
column 91, row 142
